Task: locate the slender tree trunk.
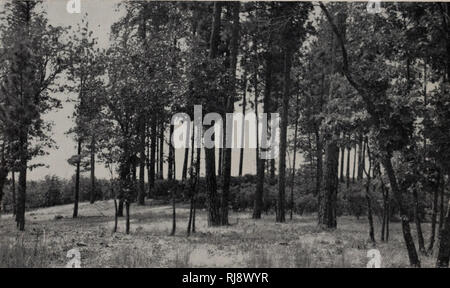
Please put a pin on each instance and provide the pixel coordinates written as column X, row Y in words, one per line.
column 411, row 248
column 369, row 212
column 151, row 176
column 77, row 181
column 93, row 188
column 260, row 163
column 127, row 209
column 368, row 196
column 295, row 154
column 354, row 165
column 174, row 216
column 283, row 136
column 434, row 213
column 341, row 173
column 161, row 152
column 13, row 188
column 116, row 214
column 3, row 174
column 444, row 241
column 210, row 157
column 185, row 161
column 417, row 222
column 360, row 157
column 230, row 109
column 388, row 214
column 171, row 160
column 319, row 164
column 23, row 163
column 347, row 173
column 244, row 107
column 142, row 158
column 327, row 212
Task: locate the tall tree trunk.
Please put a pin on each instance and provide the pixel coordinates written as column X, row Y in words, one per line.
column 93, row 189
column 197, row 169
column 368, row 196
column 347, row 173
column 23, row 162
column 295, row 154
column 3, row 174
column 360, row 157
column 369, row 213
column 327, row 212
column 161, row 151
column 171, row 160
column 434, row 213
column 341, row 173
column 142, row 158
column 127, row 223
column 244, row 107
column 77, row 181
column 174, row 216
column 280, row 217
column 210, row 157
column 328, row 201
column 13, row 188
column 354, row 165
column 417, row 222
column 260, row 163
column 152, row 164
column 186, row 159
column 319, row 164
column 230, row 109
column 444, row 240
column 410, row 246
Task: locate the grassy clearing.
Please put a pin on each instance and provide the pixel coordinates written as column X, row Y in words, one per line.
column 51, row 232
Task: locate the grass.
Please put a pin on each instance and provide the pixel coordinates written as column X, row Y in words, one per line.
column 245, row 243
column 19, row 253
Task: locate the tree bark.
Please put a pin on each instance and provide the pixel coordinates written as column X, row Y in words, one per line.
column 171, row 161
column 411, row 248
column 3, row 174
column 127, row 223
column 349, row 149
column 13, row 188
column 327, row 212
column 417, row 222
column 174, row 220
column 230, row 109
column 295, row 154
column 260, row 163
column 92, row 195
column 161, row 151
column 354, row 165
column 23, row 163
column 77, row 181
column 152, row 164
column 244, row 107
column 210, row 158
column 341, row 173
column 434, row 213
column 142, row 158
column 360, row 157
column 281, row 217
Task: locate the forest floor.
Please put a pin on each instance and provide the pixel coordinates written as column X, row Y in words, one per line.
column 51, row 233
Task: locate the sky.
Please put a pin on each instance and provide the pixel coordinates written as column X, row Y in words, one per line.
column 101, row 14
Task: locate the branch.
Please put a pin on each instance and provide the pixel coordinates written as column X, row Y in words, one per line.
column 344, row 50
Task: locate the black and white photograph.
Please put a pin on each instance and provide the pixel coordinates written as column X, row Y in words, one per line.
column 226, row 134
